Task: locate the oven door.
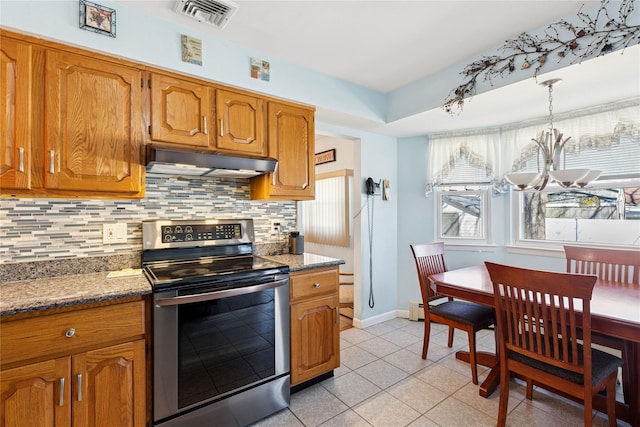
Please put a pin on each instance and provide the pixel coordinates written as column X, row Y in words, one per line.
column 211, row 344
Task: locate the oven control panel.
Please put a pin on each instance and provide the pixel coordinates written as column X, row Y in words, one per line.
column 185, row 233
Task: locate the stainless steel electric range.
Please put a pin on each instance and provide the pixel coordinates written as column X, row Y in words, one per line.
column 220, row 324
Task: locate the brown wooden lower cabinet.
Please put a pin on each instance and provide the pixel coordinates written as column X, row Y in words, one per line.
column 81, row 384
column 315, row 323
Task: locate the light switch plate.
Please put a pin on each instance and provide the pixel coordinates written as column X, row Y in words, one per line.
column 114, row 233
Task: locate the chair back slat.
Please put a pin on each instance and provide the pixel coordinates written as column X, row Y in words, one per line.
column 543, row 315
column 614, row 265
column 429, row 258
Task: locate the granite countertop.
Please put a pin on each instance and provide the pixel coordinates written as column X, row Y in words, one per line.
column 40, row 294
column 305, row 261
column 33, row 294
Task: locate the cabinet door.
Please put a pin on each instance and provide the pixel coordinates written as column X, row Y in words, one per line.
column 315, row 338
column 180, row 111
column 109, row 386
column 16, row 84
column 36, row 395
column 241, row 124
column 292, row 142
column 94, row 125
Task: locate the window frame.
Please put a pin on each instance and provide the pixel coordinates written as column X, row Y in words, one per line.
column 485, row 213
column 516, row 203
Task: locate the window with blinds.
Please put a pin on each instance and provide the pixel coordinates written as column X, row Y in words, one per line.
column 326, row 219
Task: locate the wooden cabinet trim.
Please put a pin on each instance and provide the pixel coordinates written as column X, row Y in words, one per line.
column 46, row 336
column 261, row 186
column 315, row 324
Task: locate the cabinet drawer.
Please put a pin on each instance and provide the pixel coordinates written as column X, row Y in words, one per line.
column 313, row 283
column 67, row 332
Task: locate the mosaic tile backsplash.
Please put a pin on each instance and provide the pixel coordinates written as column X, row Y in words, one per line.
column 46, row 229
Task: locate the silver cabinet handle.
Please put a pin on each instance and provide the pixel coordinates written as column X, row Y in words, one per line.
column 210, row 296
column 221, row 127
column 79, row 387
column 316, row 285
column 21, row 162
column 61, row 402
column 205, row 124
column 52, row 159
column 71, row 332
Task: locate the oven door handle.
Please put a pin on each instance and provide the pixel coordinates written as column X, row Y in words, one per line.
column 209, row 296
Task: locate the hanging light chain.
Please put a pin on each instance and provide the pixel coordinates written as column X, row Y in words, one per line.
column 551, row 107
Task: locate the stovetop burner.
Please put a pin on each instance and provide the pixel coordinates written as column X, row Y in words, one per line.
column 187, row 271
column 217, row 252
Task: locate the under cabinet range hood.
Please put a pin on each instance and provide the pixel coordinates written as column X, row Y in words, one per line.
column 177, row 162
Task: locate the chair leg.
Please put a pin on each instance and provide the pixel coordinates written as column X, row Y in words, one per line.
column 588, row 409
column 472, row 356
column 425, row 339
column 504, row 395
column 611, row 402
column 450, row 339
column 529, row 392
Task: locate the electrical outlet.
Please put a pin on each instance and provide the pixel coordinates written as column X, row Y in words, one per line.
column 114, row 233
column 276, row 226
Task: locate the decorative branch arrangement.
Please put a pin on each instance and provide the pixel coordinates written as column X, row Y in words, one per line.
column 593, row 37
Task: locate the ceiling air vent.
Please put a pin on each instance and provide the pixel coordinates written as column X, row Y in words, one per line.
column 214, row 12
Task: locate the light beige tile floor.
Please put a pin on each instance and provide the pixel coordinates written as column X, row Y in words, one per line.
column 383, row 382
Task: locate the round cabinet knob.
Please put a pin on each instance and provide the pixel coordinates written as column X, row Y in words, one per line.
column 71, row 332
column 316, row 285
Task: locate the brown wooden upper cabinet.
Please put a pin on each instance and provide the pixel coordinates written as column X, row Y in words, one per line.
column 93, row 134
column 241, row 124
column 181, row 111
column 17, row 83
column 292, row 142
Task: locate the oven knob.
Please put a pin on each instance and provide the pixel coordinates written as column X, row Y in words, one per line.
column 188, row 229
column 188, row 237
column 167, row 237
column 178, row 229
column 167, row 230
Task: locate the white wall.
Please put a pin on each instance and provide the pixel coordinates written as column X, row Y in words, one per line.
column 153, row 40
column 345, row 159
column 375, row 156
column 416, row 216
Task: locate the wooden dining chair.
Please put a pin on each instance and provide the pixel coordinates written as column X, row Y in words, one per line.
column 613, row 265
column 621, row 266
column 544, row 335
column 467, row 316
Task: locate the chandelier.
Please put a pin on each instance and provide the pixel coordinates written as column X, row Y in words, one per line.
column 551, row 146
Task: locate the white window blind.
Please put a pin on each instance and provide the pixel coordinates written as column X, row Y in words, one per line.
column 466, row 158
column 326, row 219
column 608, row 141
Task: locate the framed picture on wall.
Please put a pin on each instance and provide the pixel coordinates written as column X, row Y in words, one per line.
column 97, row 18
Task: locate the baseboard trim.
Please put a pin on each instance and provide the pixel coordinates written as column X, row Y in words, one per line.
column 370, row 321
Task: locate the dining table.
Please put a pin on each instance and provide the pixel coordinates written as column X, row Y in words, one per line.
column 615, row 313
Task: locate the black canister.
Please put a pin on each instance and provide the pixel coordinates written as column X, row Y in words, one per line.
column 296, row 243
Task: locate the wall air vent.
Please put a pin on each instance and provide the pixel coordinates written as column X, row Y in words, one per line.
column 214, row 12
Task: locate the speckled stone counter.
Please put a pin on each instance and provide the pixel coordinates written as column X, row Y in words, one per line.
column 32, row 291
column 305, row 261
column 40, row 294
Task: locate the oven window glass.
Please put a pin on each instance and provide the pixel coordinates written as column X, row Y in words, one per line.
column 225, row 344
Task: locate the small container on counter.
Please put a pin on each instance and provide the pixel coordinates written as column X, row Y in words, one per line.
column 296, row 243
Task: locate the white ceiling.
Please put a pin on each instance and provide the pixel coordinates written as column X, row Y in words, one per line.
column 384, row 45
